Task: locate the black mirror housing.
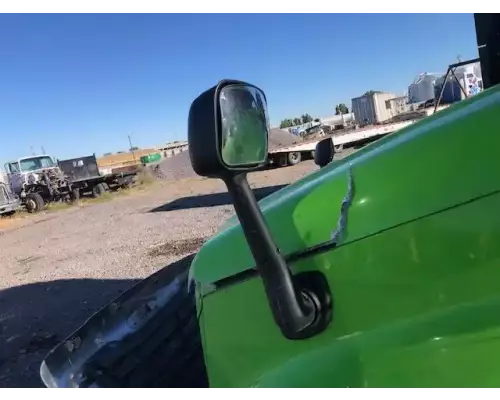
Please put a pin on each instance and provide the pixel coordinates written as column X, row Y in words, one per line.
column 205, row 133
column 323, row 155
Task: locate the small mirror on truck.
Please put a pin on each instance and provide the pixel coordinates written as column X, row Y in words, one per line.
column 228, row 130
column 324, row 152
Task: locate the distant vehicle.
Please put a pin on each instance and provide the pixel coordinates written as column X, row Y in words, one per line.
column 39, row 180
column 306, row 129
column 292, row 155
column 9, row 202
column 86, row 176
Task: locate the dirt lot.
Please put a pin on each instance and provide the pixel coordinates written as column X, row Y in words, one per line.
column 58, row 268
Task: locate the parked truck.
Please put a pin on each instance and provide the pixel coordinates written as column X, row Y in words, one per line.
column 291, row 155
column 40, row 180
column 87, row 178
column 9, row 202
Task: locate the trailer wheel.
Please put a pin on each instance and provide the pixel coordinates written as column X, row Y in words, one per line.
column 313, row 154
column 294, row 157
column 338, row 148
column 34, row 202
column 127, row 184
column 98, row 190
column 75, row 195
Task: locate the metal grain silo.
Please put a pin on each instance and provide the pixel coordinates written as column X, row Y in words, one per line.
column 451, row 92
column 422, row 88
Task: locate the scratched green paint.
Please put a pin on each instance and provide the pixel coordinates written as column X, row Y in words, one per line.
column 416, row 283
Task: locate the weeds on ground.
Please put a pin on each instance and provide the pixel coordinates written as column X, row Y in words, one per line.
column 144, row 181
column 53, row 207
column 103, row 198
column 146, row 178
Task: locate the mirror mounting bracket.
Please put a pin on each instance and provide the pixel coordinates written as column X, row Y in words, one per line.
column 301, row 304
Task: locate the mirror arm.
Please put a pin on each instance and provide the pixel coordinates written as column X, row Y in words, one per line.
column 298, row 309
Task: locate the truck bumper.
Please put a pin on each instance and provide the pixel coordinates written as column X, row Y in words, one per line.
column 9, row 207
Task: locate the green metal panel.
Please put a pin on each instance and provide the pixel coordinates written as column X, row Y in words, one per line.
column 150, row 158
column 415, row 283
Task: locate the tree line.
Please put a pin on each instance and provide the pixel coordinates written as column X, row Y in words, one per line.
column 305, row 118
column 133, row 148
column 289, row 122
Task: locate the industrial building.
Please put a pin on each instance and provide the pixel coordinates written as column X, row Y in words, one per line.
column 398, row 105
column 469, row 77
column 422, row 88
column 372, row 108
column 171, row 149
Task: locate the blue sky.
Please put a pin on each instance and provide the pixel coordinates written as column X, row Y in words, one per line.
column 79, row 84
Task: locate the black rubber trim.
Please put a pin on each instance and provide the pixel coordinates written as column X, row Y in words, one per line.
column 236, row 278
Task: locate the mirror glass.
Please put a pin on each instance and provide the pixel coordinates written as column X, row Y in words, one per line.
column 245, row 125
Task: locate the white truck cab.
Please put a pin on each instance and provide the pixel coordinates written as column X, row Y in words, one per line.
column 25, row 170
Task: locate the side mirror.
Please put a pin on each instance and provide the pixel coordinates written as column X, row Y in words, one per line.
column 228, row 132
column 323, row 155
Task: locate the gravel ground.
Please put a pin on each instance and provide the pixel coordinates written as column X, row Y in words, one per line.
column 58, row 268
column 177, row 167
column 279, row 137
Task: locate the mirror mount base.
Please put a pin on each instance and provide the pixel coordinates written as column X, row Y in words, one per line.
column 301, row 304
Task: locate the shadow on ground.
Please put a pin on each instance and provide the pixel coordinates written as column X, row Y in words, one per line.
column 36, row 317
column 212, row 199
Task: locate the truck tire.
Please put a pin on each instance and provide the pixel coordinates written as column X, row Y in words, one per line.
column 294, row 157
column 75, row 195
column 170, row 355
column 98, row 190
column 34, row 203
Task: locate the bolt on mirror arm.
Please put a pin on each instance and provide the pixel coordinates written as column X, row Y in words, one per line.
column 297, row 310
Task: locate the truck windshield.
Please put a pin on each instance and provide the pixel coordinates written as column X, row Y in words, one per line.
column 32, row 164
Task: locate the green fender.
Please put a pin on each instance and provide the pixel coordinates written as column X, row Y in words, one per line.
column 415, row 281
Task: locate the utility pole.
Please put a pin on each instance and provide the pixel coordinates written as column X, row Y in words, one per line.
column 131, row 147
column 43, row 150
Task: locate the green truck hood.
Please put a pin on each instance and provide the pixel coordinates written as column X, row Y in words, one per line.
column 412, row 173
column 263, row 203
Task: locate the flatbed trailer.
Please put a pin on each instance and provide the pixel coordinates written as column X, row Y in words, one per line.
column 291, row 155
column 85, row 176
